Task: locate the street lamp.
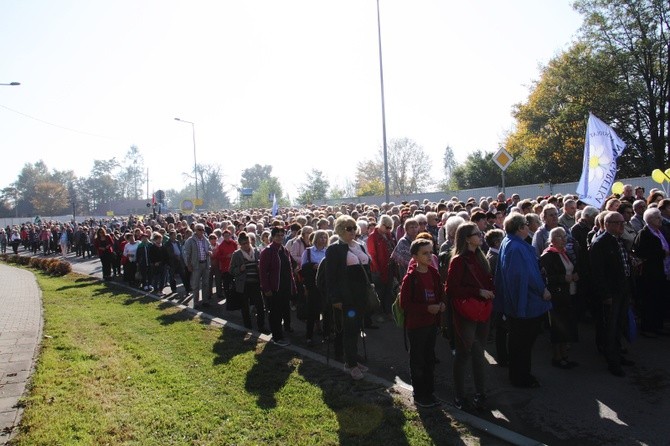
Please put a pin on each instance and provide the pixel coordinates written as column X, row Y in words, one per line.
column 12, row 84
column 381, row 78
column 195, row 164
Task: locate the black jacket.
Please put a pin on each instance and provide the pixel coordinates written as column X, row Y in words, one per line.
column 648, row 248
column 342, row 286
column 607, row 268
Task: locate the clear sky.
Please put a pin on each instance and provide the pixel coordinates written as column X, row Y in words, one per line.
column 293, row 84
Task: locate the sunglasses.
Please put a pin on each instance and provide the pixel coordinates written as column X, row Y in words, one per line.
column 350, row 228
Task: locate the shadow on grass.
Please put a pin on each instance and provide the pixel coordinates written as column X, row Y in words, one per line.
column 366, row 412
column 268, row 375
column 182, row 315
column 79, row 283
column 230, row 344
column 439, row 427
column 113, row 290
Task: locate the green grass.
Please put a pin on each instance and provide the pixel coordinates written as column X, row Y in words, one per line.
column 120, row 369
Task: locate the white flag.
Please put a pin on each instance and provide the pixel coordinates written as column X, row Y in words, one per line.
column 601, row 150
column 275, row 207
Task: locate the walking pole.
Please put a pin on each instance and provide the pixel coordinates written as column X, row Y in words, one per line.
column 363, row 336
column 331, row 335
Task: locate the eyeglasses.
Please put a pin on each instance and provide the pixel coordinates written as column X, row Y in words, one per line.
column 479, row 234
column 200, row 230
column 350, row 228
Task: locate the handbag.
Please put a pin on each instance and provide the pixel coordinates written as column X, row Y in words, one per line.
column 630, row 332
column 473, row 308
column 372, row 302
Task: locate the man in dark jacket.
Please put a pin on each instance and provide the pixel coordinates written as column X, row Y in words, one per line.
column 611, row 273
column 277, row 282
column 175, row 263
column 579, row 232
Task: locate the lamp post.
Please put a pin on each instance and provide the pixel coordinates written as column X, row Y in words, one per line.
column 12, row 84
column 381, row 79
column 195, row 163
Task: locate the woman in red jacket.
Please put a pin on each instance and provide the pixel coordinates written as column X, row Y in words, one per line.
column 380, row 245
column 469, row 281
column 104, row 246
column 421, row 299
column 223, row 253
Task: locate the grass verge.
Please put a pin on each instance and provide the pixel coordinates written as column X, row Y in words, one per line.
column 121, row 369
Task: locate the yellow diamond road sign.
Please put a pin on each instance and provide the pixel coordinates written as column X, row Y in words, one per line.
column 502, row 158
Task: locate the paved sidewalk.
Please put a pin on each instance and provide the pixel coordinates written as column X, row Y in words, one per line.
column 20, row 334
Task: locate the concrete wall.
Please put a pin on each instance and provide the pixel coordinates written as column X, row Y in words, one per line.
column 525, row 191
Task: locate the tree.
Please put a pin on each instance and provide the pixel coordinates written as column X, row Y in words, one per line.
column 347, row 190
column 252, row 177
column 371, row 188
column 213, row 193
column 449, row 163
column 261, row 198
column 131, row 178
column 366, row 172
column 617, row 69
column 314, row 189
column 38, row 190
column 635, row 35
column 51, row 198
column 551, row 124
column 26, row 183
column 102, row 186
column 478, row 170
column 10, row 196
column 408, row 167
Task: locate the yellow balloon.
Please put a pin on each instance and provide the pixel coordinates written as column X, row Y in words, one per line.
column 667, row 173
column 617, row 188
column 658, row 176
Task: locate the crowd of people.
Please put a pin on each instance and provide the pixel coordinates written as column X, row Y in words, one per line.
column 502, row 269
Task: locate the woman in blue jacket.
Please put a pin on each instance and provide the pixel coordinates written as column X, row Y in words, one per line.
column 525, row 298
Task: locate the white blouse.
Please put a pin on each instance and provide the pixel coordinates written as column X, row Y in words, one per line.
column 356, row 255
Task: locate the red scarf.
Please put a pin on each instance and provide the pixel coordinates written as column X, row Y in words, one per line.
column 561, row 252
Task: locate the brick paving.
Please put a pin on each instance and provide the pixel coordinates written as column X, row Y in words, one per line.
column 20, row 334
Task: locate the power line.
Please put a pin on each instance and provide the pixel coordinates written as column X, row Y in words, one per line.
column 56, row 125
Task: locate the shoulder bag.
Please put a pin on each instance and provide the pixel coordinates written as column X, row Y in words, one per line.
column 372, row 303
column 473, row 308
